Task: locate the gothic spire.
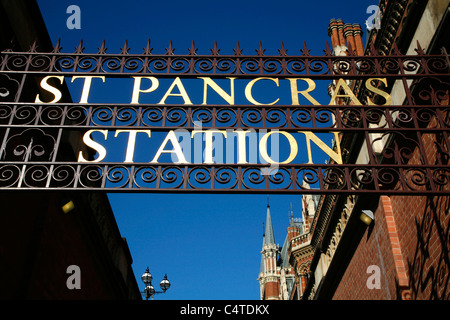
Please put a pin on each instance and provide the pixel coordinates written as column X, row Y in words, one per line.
column 269, row 237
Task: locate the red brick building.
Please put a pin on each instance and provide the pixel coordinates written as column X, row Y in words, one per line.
column 404, row 251
column 277, row 275
column 373, row 247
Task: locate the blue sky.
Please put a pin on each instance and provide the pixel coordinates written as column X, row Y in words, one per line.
column 209, row 245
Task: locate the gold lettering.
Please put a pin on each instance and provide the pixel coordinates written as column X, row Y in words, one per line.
column 384, row 94
column 176, row 149
column 86, row 86
column 248, row 90
column 209, row 82
column 131, row 142
column 177, row 82
column 348, row 93
column 137, row 88
column 242, row 146
column 305, row 93
column 209, row 142
column 292, row 143
column 336, row 156
column 94, row 145
column 49, row 88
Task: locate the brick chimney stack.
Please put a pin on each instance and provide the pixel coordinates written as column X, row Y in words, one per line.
column 357, row 34
column 340, row 28
column 345, row 36
column 348, row 34
column 332, row 33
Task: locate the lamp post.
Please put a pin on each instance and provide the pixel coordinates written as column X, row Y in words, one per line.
column 367, row 217
column 149, row 291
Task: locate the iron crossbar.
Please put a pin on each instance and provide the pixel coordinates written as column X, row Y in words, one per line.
column 406, row 146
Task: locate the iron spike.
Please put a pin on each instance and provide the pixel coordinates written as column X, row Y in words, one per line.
column 373, row 50
column 80, row 47
column 419, row 49
column 125, row 48
column 33, row 46
column 12, row 44
column 282, row 51
column 260, row 50
column 193, row 50
column 148, row 49
column 215, row 51
column 350, row 51
column 395, row 49
column 305, row 50
column 170, row 50
column 102, row 48
column 327, row 51
column 57, row 48
column 238, row 50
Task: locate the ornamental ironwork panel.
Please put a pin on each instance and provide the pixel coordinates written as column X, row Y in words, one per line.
column 381, row 141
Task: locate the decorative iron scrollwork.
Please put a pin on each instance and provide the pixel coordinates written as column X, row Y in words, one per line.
column 396, row 138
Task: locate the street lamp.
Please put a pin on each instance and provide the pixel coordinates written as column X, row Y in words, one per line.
column 367, row 217
column 149, row 291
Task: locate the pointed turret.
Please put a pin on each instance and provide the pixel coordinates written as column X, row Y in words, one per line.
column 269, row 237
column 270, row 272
column 295, row 227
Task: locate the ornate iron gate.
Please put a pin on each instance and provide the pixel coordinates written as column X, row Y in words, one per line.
column 406, row 145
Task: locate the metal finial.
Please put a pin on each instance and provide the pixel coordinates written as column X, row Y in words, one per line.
column 215, row 50
column 282, row 51
column 125, row 48
column 327, row 51
column 170, row 50
column 291, row 214
column 260, row 51
column 57, row 48
column 148, row 49
column 238, row 50
column 193, row 50
column 305, row 50
column 80, row 47
column 102, row 48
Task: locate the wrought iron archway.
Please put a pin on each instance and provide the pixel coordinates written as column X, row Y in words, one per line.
column 33, row 158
